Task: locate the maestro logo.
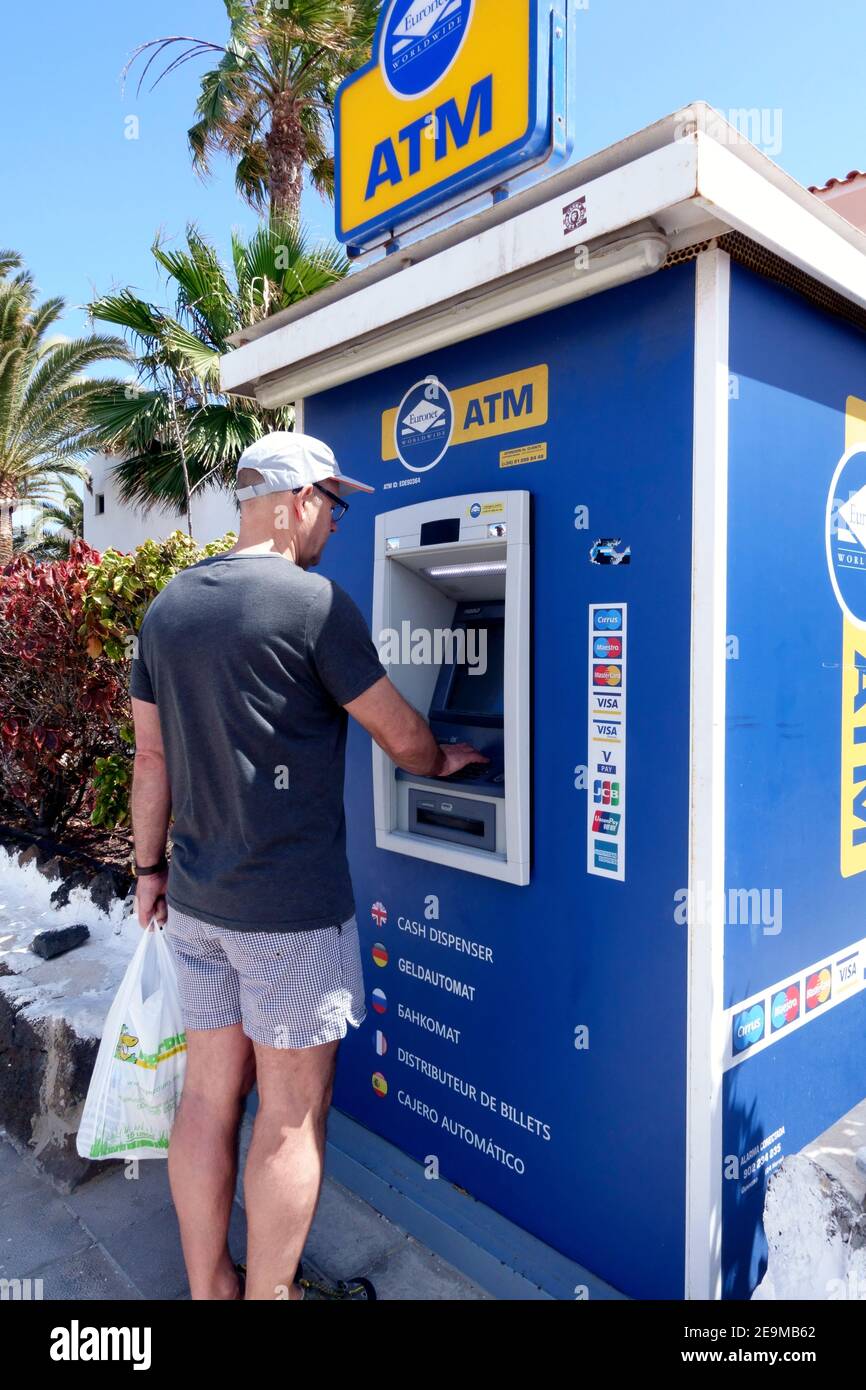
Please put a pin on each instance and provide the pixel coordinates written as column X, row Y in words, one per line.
column 785, row 1007
column 424, row 425
column 421, row 41
column 845, row 532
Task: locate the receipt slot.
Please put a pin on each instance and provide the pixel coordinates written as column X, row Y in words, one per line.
column 451, row 618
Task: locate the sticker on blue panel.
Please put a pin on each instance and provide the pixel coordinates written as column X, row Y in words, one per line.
column 846, row 534
column 607, row 741
column 794, row 1003
column 424, row 425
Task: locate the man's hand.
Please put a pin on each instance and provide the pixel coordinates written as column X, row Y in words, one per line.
column 150, row 899
column 405, row 736
column 456, row 756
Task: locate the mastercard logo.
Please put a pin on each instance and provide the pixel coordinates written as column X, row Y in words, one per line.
column 380, row 954
column 818, row 988
column 607, row 675
column 380, row 1085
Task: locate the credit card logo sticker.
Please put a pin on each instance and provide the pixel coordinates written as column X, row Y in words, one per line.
column 423, row 425
column 606, row 856
column 818, row 988
column 604, row 647
column 785, row 1007
column 608, row 620
column 605, row 793
column 421, row 40
column 747, row 1028
column 606, row 723
column 607, row 675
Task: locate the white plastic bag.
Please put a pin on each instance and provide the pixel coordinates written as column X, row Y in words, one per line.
column 138, row 1078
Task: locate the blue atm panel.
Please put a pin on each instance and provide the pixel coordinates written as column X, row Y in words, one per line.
column 531, row 1039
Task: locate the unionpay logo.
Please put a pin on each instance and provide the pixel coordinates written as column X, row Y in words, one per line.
column 424, row 425
column 421, row 41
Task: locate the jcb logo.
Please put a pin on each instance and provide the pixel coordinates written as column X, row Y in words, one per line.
column 499, row 406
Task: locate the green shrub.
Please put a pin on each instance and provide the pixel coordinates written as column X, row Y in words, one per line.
column 120, row 589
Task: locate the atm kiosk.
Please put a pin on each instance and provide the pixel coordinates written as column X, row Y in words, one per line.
column 451, row 593
column 588, row 1045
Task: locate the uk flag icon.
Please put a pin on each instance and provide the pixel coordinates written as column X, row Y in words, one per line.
column 379, row 913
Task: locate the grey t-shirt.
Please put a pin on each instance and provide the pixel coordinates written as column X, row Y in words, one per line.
column 249, row 660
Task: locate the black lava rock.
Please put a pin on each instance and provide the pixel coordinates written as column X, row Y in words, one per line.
column 58, row 940
column 79, row 878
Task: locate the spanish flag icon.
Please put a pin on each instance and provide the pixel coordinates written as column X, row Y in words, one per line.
column 380, row 1085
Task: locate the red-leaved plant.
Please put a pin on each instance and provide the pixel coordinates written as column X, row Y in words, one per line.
column 60, row 708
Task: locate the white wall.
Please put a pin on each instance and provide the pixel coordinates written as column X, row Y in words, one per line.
column 123, row 528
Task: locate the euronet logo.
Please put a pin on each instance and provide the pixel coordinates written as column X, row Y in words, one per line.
column 77, row 1343
column 442, row 646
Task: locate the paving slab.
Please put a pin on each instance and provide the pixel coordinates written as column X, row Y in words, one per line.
column 89, row 1274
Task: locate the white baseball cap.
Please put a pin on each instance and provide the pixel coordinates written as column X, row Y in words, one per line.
column 286, row 460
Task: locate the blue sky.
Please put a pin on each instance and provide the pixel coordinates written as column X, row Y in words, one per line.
column 82, row 202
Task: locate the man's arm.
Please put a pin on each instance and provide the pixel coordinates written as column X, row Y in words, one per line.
column 151, row 809
column 406, row 738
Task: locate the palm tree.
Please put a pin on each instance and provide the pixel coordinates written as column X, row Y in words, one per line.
column 268, row 102
column 172, row 430
column 65, row 514
column 44, row 396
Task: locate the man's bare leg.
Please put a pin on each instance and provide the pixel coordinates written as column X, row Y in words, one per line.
column 203, row 1154
column 284, row 1165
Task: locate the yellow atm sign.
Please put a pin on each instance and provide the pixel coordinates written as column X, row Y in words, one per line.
column 456, row 97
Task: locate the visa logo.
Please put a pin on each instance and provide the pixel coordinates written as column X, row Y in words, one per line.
column 607, row 701
column 451, row 129
column 606, row 730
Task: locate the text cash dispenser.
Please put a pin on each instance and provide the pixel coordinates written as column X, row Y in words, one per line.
column 451, row 617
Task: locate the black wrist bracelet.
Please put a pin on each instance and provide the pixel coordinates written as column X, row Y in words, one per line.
column 152, row 868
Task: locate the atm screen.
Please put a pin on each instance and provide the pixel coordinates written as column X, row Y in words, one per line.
column 473, row 691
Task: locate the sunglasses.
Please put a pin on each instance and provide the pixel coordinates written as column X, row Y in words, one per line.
column 338, row 506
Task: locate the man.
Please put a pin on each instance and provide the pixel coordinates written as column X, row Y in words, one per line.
column 247, row 665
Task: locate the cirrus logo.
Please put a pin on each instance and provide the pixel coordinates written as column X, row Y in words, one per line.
column 608, row 619
column 748, row 1027
column 420, row 41
column 424, row 425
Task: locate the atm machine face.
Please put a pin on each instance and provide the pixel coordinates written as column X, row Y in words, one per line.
column 451, row 612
